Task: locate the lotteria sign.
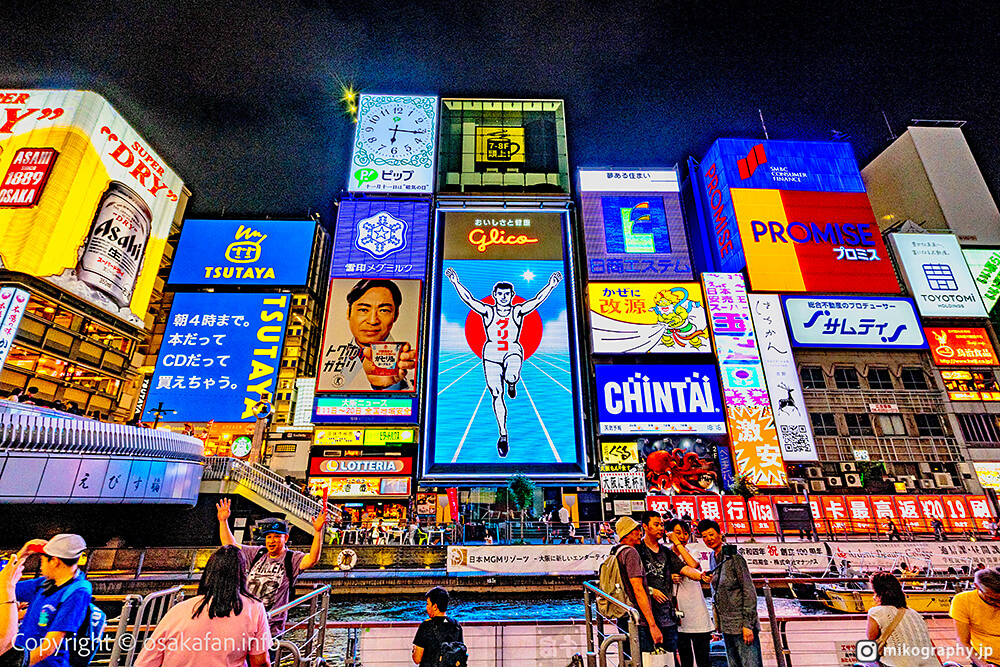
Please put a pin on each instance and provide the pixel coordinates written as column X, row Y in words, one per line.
column 795, row 215
column 659, row 399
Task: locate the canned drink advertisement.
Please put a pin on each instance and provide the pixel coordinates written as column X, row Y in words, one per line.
column 85, row 202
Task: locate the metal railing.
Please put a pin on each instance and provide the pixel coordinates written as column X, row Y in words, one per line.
column 303, row 643
column 598, row 641
column 264, row 482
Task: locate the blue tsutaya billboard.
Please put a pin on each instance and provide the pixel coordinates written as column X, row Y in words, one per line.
column 261, row 253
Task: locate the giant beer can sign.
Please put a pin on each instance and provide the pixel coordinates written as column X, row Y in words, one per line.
column 85, row 203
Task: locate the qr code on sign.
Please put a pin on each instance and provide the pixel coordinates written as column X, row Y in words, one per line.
column 795, row 438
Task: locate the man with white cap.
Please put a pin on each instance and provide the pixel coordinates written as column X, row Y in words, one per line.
column 58, row 601
column 629, row 533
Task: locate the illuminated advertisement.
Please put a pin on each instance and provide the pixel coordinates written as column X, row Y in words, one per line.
column 13, row 301
column 370, row 337
column 685, row 465
column 619, row 452
column 854, row 322
column 783, row 386
column 961, row 347
column 795, row 215
column 971, row 385
column 394, row 144
column 937, row 275
column 633, row 225
column 367, row 437
column 85, row 203
column 361, row 409
column 752, row 433
column 264, row 253
column 361, row 466
column 658, row 399
column 632, row 318
column 359, row 487
column 988, row 473
column 381, row 239
column 220, row 355
column 622, row 478
column 503, row 390
column 985, row 267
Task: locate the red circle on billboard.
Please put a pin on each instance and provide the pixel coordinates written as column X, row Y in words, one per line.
column 531, row 330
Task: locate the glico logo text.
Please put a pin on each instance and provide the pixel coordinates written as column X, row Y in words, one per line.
column 833, row 233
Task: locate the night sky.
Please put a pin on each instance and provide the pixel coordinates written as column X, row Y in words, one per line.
column 242, row 99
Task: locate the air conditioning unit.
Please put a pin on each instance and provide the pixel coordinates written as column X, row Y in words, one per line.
column 909, row 480
column 834, row 481
column 924, row 468
column 966, row 470
column 848, row 467
column 943, row 480
column 927, row 484
column 814, row 472
column 853, row 479
column 817, row 485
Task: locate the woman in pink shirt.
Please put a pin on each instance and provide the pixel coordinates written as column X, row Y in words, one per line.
column 222, row 626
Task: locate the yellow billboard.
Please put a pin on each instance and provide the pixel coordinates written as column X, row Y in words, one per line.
column 85, row 202
column 632, row 318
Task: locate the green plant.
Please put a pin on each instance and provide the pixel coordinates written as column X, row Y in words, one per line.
column 746, row 489
column 873, row 476
column 522, row 492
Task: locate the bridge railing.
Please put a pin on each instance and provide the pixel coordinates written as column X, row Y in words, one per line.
column 263, row 482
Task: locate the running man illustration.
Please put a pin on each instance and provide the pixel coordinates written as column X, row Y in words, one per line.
column 502, row 352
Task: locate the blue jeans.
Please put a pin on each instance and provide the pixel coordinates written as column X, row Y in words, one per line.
column 741, row 654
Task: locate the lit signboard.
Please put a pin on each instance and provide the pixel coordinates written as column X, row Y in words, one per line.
column 261, row 253
column 381, row 239
column 503, row 146
column 961, row 347
column 362, row 437
column 85, row 203
column 361, row 466
column 785, row 390
column 795, row 215
column 13, row 301
column 359, row 487
column 658, row 399
column 394, row 144
column 370, row 337
column 854, row 322
column 622, row 477
column 220, row 354
column 619, row 452
column 988, row 473
column 631, row 318
column 633, row 225
column 360, row 409
column 503, row 390
column 985, row 267
column 971, row 385
column 937, row 275
column 752, row 433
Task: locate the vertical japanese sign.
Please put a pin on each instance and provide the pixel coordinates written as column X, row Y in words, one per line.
column 752, row 432
column 13, row 301
column 220, row 356
column 784, row 389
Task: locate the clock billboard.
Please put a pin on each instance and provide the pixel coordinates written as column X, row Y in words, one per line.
column 394, row 145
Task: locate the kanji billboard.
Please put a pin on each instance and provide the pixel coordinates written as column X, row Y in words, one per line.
column 659, row 318
column 381, row 238
column 854, row 322
column 985, row 267
column 952, row 346
column 937, row 275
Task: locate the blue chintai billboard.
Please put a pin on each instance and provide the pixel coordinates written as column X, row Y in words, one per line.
column 220, row 354
column 503, row 392
column 381, row 238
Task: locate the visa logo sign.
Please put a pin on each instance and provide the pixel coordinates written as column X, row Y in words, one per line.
column 639, row 394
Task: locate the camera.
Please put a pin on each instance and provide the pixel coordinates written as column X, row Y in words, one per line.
column 728, row 550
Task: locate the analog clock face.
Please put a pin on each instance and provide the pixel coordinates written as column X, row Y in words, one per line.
column 395, row 131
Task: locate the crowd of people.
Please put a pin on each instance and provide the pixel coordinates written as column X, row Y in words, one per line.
column 29, row 396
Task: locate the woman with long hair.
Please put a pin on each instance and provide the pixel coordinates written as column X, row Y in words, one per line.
column 900, row 632
column 222, row 626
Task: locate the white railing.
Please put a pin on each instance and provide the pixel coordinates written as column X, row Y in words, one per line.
column 263, row 482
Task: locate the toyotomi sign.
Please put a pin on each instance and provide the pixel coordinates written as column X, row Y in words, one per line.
column 937, row 275
column 836, row 321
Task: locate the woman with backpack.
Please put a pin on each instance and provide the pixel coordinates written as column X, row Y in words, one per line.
column 900, row 633
column 221, row 626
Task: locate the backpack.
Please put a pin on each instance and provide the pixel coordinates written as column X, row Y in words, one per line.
column 451, row 654
column 613, row 583
column 85, row 642
column 288, row 566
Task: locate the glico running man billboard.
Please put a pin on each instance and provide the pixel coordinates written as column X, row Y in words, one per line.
column 85, row 203
column 795, row 215
column 503, row 392
column 630, row 318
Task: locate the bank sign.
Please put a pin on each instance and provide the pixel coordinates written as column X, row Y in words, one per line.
column 860, row 323
column 659, row 399
column 795, row 215
column 265, row 253
column 937, row 275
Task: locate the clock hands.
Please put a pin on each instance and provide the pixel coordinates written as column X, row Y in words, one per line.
column 396, row 129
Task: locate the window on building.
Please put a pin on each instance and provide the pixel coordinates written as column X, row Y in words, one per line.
column 928, row 425
column 980, row 429
column 858, row 424
column 892, row 425
column 824, row 424
column 879, row 378
column 812, row 377
column 913, row 378
column 846, row 378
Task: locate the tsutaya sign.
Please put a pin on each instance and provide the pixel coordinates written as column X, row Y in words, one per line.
column 749, row 414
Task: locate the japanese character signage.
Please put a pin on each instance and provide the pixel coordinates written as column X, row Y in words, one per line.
column 394, row 144
column 961, row 347
column 854, row 322
column 220, row 355
column 795, row 215
column 619, row 452
column 634, row 225
column 397, row 465
column 752, row 432
column 623, row 478
column 85, row 203
column 503, row 391
column 985, row 267
column 381, row 238
column 784, row 389
column 528, row 559
column 658, row 399
column 366, row 437
column 264, row 253
column 988, row 473
column 13, row 301
column 937, row 275
column 363, row 409
column 358, row 487
column 630, row 318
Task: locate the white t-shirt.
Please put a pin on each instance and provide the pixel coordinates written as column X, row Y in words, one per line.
column 909, row 642
column 691, row 600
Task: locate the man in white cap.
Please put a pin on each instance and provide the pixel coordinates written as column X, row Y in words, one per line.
column 629, row 533
column 58, row 601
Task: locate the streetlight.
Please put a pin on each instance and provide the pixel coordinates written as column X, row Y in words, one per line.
column 159, row 411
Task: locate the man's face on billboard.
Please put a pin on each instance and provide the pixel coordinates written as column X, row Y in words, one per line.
column 503, row 296
column 371, row 317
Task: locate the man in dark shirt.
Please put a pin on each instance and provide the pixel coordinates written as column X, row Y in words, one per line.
column 629, row 533
column 436, row 630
